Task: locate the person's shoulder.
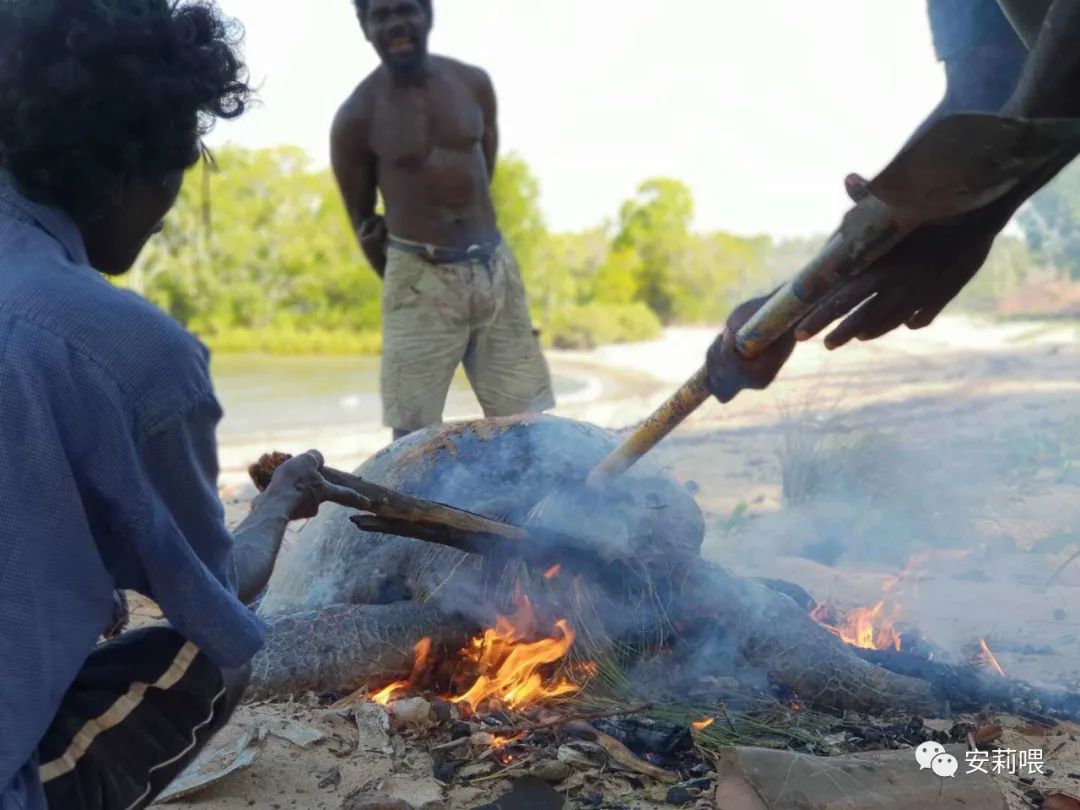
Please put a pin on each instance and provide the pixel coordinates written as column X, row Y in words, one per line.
column 158, row 365
column 162, row 366
column 354, row 114
column 473, row 75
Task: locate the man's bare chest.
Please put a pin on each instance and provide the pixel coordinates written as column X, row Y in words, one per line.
column 409, row 126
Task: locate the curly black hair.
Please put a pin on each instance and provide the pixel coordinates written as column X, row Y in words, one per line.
column 93, row 91
column 362, row 7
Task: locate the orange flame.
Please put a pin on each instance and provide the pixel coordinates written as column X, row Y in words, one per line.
column 701, row 725
column 553, row 572
column 865, row 628
column 511, row 668
column 420, row 658
column 512, row 663
column 989, row 660
column 382, row 697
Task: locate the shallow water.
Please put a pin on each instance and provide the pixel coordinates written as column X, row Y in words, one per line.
column 277, row 396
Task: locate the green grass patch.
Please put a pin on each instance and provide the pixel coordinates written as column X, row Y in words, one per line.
column 586, row 327
column 293, row 342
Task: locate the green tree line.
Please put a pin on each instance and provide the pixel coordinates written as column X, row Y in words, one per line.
column 258, row 255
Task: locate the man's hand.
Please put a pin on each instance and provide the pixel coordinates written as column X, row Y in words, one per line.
column 301, row 487
column 911, row 284
column 373, row 235
column 728, row 372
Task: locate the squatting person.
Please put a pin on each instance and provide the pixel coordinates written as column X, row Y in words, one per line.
column 107, row 414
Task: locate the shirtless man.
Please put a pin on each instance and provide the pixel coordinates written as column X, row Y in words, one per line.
column 421, row 129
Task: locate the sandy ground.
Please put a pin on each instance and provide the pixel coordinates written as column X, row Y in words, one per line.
column 937, row 470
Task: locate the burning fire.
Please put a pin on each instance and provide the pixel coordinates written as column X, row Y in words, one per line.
column 420, row 661
column 553, row 572
column 988, row 658
column 511, row 668
column 866, row 628
column 701, row 725
column 513, row 662
column 382, row 697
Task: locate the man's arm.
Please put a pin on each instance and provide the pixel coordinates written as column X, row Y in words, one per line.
column 1027, row 18
column 296, row 490
column 913, row 283
column 980, row 52
column 488, row 103
column 1048, row 85
column 355, row 170
column 181, row 468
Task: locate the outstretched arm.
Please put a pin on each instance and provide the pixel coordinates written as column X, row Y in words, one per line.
column 913, row 283
column 916, row 281
column 354, row 168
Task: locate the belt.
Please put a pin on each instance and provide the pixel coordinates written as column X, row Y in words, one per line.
column 439, row 255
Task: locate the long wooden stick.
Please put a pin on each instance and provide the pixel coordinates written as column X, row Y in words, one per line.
column 396, row 513
column 389, row 503
column 961, row 163
column 397, row 505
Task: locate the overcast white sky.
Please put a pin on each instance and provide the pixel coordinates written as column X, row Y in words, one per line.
column 761, row 106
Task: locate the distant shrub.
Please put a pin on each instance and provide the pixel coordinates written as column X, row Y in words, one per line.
column 586, row 327
column 285, row 341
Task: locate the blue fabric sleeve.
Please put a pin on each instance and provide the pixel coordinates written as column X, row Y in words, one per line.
column 186, row 533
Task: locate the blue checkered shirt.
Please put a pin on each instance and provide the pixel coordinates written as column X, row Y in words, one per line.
column 108, row 478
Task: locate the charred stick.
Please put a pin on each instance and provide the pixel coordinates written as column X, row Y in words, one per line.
column 389, row 503
column 397, row 513
column 485, row 545
column 539, row 554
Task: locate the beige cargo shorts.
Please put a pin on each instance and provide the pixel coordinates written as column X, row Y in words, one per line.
column 438, row 315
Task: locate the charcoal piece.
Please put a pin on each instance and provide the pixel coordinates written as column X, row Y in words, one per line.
column 646, row 736
column 443, row 768
column 442, row 709
column 460, row 730
column 679, row 796
column 528, row 794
